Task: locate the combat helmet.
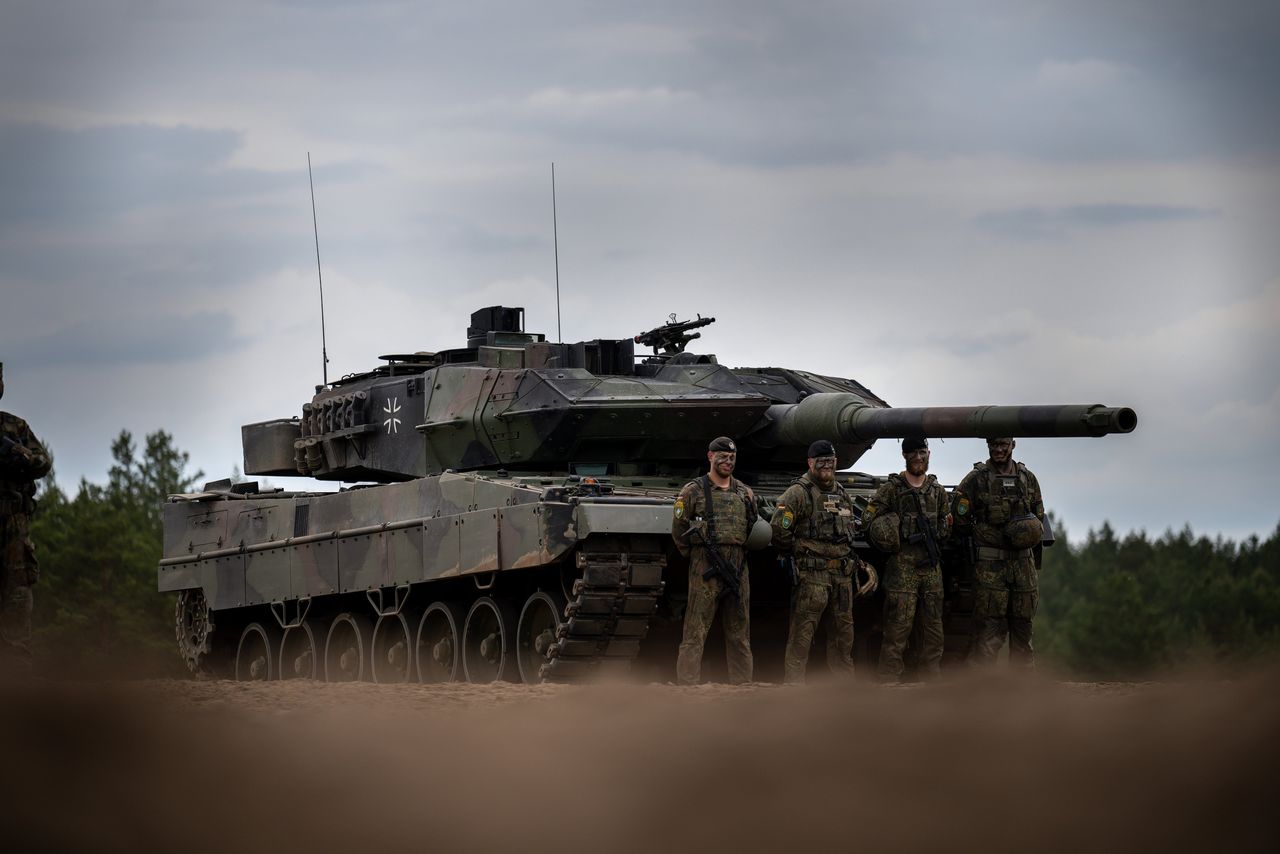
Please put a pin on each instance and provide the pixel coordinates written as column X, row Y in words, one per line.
column 883, row 532
column 1023, row 532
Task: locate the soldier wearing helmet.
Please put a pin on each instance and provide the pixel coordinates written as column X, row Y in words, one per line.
column 715, row 514
column 1000, row 506
column 813, row 525
column 23, row 461
column 909, row 517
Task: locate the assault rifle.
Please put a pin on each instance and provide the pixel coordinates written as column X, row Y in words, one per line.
column 928, row 534
column 720, row 566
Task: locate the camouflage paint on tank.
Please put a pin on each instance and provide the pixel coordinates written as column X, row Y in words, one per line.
column 241, row 550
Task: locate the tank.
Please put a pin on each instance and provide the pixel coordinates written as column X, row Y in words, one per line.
column 511, row 513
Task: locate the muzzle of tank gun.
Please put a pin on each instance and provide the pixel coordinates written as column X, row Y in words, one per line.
column 848, row 418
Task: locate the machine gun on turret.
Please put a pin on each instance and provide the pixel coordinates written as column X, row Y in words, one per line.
column 672, row 336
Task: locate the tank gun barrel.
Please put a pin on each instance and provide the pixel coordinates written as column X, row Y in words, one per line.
column 848, row 418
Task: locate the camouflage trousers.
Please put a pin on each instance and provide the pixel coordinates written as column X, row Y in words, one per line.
column 912, row 599
column 705, row 598
column 1006, row 603
column 18, row 571
column 820, row 593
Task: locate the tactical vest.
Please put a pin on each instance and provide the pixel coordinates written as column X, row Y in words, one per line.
column 733, row 510
column 1001, row 497
column 830, row 521
column 933, row 498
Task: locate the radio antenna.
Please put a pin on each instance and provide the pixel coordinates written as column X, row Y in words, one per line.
column 555, row 236
column 324, row 347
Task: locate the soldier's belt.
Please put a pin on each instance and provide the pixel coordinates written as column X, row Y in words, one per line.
column 989, row 553
column 811, row 563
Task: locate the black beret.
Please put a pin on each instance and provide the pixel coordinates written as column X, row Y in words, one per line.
column 724, row 443
column 822, row 448
column 914, row 443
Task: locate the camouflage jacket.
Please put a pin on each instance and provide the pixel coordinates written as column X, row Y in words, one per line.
column 985, row 501
column 734, row 509
column 895, row 495
column 811, row 521
column 23, row 461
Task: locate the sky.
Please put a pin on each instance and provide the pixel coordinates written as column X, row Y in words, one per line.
column 1004, row 202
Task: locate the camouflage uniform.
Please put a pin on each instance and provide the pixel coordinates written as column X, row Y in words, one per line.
column 815, row 526
column 912, row 585
column 1007, row 586
column 23, row 460
column 735, row 512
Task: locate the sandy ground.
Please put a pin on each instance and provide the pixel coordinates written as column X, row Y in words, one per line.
column 983, row 763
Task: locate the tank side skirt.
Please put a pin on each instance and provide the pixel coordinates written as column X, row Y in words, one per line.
column 411, row 551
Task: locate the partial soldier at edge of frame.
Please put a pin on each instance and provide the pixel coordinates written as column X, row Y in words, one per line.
column 23, row 461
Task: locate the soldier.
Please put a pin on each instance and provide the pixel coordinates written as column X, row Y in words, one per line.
column 909, row 517
column 813, row 527
column 23, row 460
column 711, row 521
column 999, row 505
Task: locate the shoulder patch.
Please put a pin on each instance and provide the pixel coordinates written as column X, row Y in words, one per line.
column 788, row 518
column 679, row 508
column 962, row 506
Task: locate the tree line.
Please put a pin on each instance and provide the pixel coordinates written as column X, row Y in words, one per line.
column 1118, row 607
column 97, row 608
column 1110, row 606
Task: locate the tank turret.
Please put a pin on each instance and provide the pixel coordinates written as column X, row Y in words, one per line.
column 512, row 400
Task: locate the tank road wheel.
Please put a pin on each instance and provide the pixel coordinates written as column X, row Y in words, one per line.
column 536, row 634
column 438, row 654
column 392, row 649
column 256, row 654
column 487, row 650
column 298, row 658
column 193, row 627
column 346, row 650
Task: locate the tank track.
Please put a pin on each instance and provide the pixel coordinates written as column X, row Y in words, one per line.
column 608, row 616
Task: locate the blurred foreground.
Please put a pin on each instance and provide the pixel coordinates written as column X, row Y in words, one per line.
column 983, row 763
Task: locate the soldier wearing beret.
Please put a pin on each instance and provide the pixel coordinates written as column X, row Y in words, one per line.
column 710, row 523
column 813, row 526
column 909, row 517
column 1000, row 505
column 23, row 461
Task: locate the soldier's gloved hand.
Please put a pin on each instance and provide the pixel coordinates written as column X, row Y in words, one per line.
column 13, row 453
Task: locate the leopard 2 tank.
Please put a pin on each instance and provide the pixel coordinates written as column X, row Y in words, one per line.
column 510, row 510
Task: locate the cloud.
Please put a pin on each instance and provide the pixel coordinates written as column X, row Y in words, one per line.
column 1080, row 74
column 1040, row 222
column 579, row 102
column 1018, row 203
column 965, row 346
column 127, row 339
column 53, row 175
